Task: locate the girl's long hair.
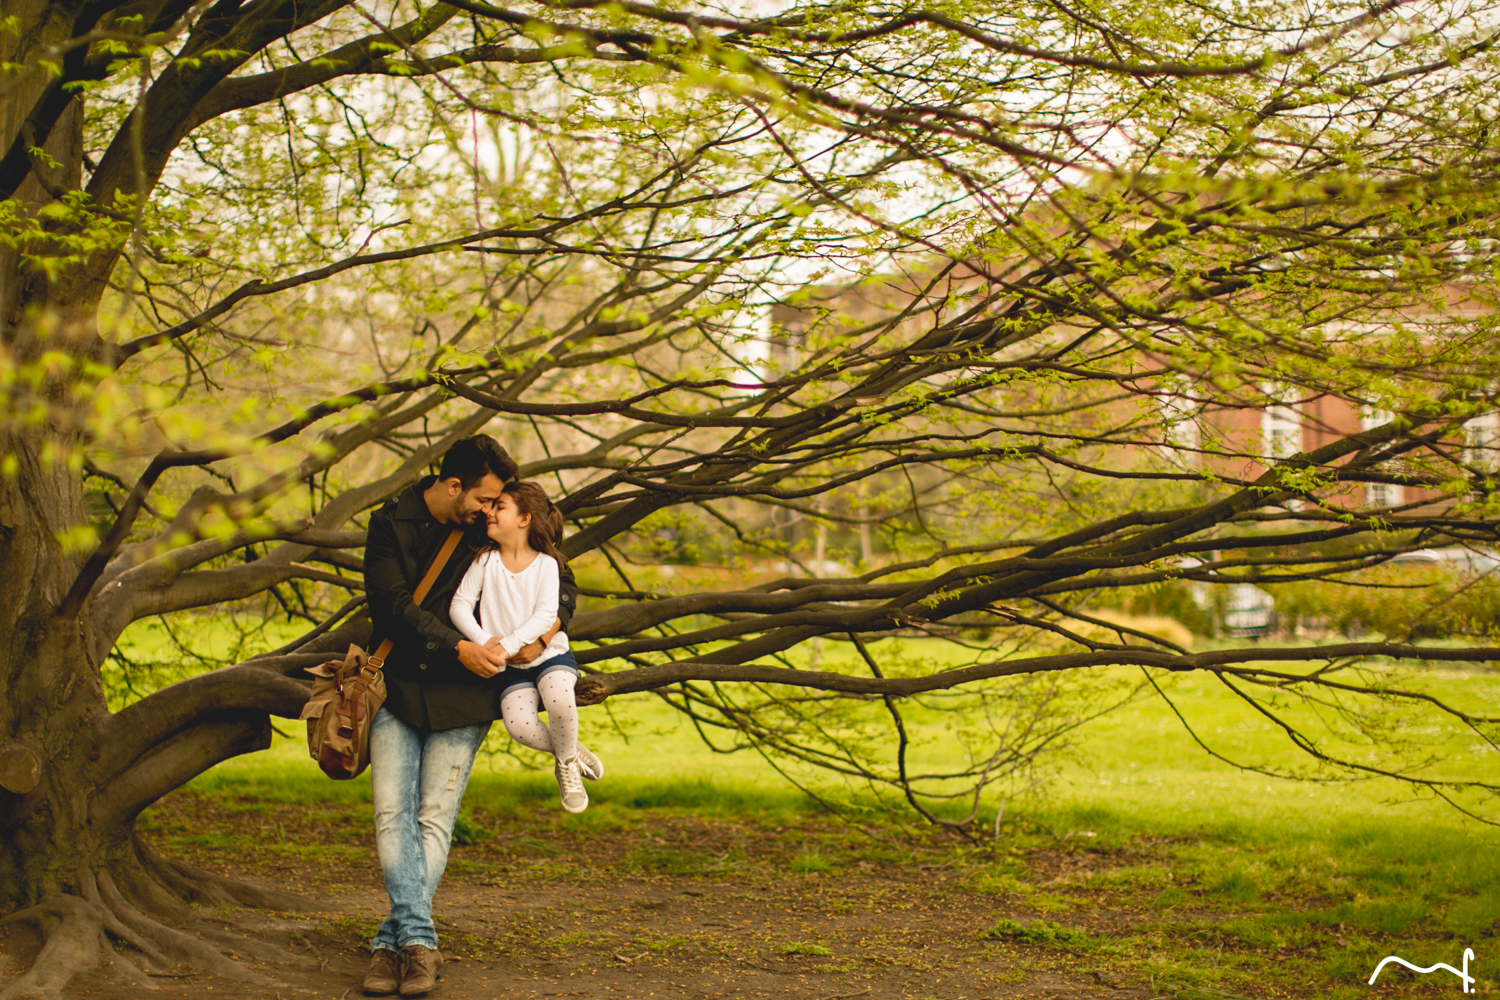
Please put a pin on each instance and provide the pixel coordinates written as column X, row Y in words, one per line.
column 545, row 532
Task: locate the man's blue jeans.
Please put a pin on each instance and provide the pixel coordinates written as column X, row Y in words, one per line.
column 418, row 782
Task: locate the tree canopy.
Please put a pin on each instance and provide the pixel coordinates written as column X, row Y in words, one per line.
column 939, row 321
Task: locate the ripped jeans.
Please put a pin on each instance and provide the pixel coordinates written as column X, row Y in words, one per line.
column 418, row 782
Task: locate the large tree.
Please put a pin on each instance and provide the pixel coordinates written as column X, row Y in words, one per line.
column 944, row 280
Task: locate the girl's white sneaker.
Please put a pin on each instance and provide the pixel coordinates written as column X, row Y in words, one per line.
column 570, row 785
column 589, row 764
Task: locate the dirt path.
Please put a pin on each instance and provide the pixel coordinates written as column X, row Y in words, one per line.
column 662, row 937
column 674, row 907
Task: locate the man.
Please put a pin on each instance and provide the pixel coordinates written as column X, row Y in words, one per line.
column 439, row 697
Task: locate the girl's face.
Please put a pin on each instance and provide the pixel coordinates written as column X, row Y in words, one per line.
column 505, row 522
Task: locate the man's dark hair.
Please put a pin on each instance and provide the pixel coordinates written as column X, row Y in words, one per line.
column 470, row 458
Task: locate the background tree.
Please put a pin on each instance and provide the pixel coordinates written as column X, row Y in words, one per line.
column 941, row 284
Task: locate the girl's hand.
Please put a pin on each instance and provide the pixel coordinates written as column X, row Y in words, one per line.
column 497, row 651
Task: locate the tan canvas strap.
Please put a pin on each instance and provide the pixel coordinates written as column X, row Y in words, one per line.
column 377, row 658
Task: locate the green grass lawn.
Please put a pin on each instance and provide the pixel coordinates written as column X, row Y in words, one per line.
column 1245, row 881
column 1135, row 770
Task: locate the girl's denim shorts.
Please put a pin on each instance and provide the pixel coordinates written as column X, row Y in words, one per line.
column 516, row 677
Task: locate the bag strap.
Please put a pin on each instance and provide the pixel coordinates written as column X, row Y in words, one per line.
column 377, row 658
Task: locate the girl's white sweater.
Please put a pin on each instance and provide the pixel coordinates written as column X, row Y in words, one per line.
column 517, row 607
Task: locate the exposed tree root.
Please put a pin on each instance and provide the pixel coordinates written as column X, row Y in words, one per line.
column 199, row 885
column 113, row 926
column 124, row 966
column 79, row 930
column 73, row 929
column 178, row 945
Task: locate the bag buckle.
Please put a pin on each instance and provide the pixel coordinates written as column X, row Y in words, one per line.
column 375, row 661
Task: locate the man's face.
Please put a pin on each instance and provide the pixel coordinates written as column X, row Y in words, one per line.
column 470, row 506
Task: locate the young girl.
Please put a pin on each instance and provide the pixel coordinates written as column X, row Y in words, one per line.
column 515, row 581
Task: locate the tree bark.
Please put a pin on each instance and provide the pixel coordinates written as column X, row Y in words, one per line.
column 72, row 780
column 73, row 777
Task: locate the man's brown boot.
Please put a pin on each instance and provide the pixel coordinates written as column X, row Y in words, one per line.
column 419, row 969
column 385, row 973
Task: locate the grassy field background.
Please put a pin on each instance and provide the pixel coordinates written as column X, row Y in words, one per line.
column 1234, row 880
column 1137, row 767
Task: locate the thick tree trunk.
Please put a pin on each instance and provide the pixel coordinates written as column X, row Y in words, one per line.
column 73, row 778
column 52, row 693
column 27, row 297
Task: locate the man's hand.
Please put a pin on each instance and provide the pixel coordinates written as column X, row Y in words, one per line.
column 533, row 649
column 478, row 660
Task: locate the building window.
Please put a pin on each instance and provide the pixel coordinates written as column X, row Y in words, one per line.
column 1384, row 494
column 1380, row 494
column 1280, row 426
column 1481, row 441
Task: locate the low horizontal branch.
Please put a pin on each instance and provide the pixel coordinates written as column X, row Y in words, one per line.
column 177, row 760
column 597, row 687
column 202, row 588
column 134, row 730
column 632, row 618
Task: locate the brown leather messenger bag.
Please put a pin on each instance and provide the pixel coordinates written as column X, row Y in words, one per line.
column 347, row 693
